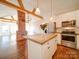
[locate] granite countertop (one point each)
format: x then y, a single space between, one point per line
41 38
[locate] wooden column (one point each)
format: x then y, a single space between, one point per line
21 25
21 41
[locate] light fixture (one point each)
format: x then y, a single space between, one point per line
37 9
51 18
34 9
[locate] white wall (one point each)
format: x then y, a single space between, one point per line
34 25
74 15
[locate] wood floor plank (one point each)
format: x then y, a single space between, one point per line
66 53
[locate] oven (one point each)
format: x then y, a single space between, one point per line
68 36
68 39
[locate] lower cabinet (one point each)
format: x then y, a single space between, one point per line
49 48
77 42
44 51
58 39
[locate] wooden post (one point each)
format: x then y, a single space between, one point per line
21 41
21 25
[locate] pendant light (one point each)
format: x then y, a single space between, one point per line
37 9
34 9
51 18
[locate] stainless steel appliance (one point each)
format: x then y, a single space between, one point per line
68 39
71 23
68 36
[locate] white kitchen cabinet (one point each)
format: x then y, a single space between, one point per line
58 38
77 30
49 49
42 51
77 40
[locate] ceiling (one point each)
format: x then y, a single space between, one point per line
58 7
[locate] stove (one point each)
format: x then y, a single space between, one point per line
68 35
68 38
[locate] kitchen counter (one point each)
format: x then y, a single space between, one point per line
41 38
41 46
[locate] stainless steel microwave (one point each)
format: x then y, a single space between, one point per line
71 23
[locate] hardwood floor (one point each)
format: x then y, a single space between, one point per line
66 53
12 49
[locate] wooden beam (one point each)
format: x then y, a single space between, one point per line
20 3
11 5
7 19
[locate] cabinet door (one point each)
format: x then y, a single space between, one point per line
45 51
58 39
53 46
49 49
34 50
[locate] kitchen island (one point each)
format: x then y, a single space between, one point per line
41 46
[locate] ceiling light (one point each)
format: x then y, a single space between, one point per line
37 11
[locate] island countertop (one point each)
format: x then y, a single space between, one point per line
41 38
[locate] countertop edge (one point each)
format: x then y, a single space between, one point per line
54 35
